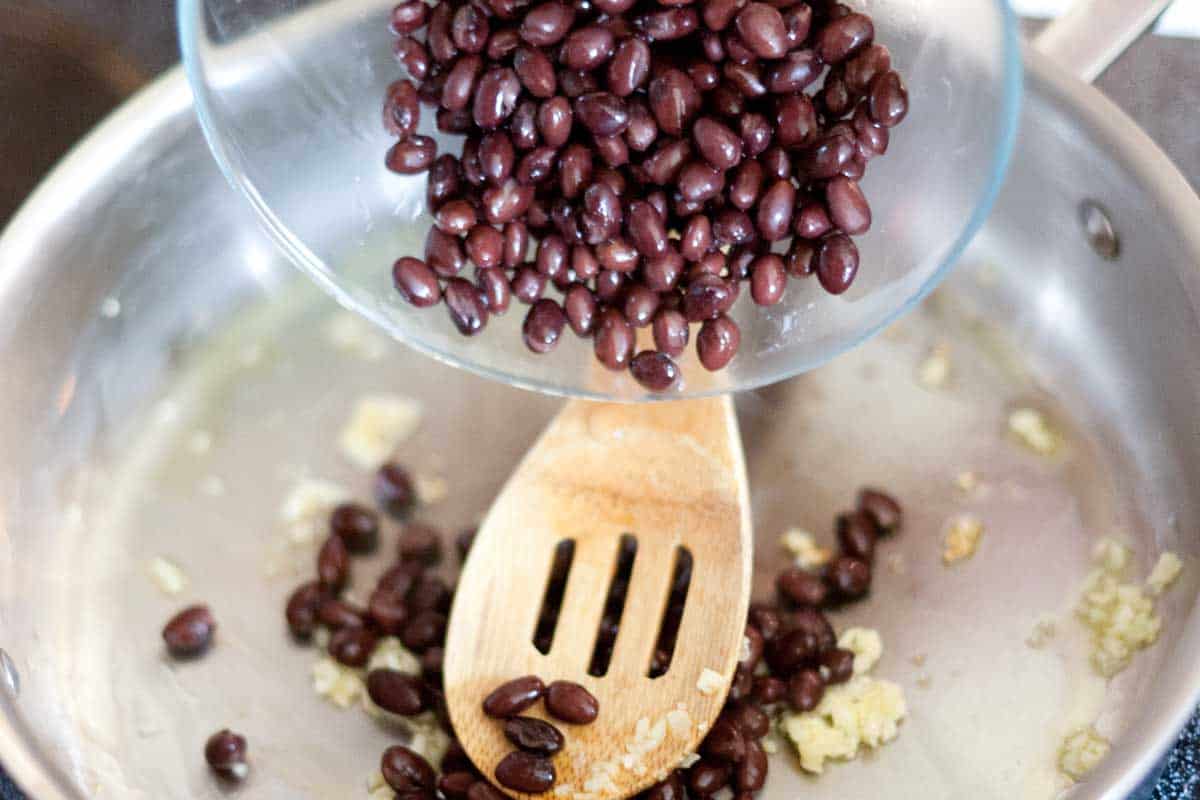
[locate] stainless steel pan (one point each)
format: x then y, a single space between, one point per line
142 305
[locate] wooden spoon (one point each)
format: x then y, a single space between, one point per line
673 476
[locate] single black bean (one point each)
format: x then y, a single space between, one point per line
654 370
756 133
670 330
333 563
816 624
733 226
766 620
888 99
401 109
799 260
225 753
421 543
455 785
717 143
724 741
547 24
812 220
835 96
356 525
396 692
412 155
838 664
352 646
513 697
837 263
337 614
795 120
727 101
190 632
534 735
584 263
674 100
718 14
465 307
704 74
761 27
667 24
507 202
469 29
525 772
794 73
849 577
424 630
844 37
805 690
574 83
751 771
404 769
496 156
776 163
302 606
528 285
496 97
443 254
485 246
461 81
717 343
497 292
707 777
882 507
579 305
409 16
413 56
394 489
664 164
746 184
774 214
516 241
543 325
455 217
739 52
445 180
769 690
535 71
801 588
602 113
503 43
870 138
768 279
753 721
798 21
588 47
571 703
713 47
860 70
640 305
387 609
416 282
441 45
792 651
705 297
857 533
554 119
699 182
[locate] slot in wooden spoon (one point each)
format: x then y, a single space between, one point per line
673 476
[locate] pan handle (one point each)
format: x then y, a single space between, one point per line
1093 33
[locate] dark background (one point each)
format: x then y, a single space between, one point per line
65 63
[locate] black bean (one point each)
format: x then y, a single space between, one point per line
409 16
761 27
513 697
587 47
844 37
805 690
724 741
796 123
333 563
571 703
505 203
717 143
394 489
337 614
424 630
352 646
387 610
455 785
793 73
469 29
496 97
503 43
857 533
801 588
404 769
455 217
717 343
882 507
412 54
401 109
535 71
543 325
839 664
416 282
465 307
888 99
769 689
751 719
849 577
707 777
441 45
670 330
751 771
816 624
837 263
225 753
189 633
798 21
766 620
674 101
412 155
396 692
670 788
525 772
860 70
302 605
654 370
534 735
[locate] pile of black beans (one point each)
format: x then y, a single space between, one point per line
529 769
796 642
791 659
659 152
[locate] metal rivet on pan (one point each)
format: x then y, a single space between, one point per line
1098 227
10 681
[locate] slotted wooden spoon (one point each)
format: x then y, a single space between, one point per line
670 474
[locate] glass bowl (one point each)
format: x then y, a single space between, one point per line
289 95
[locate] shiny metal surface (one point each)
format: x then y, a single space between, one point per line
95 478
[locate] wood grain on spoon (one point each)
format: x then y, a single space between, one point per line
672 475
